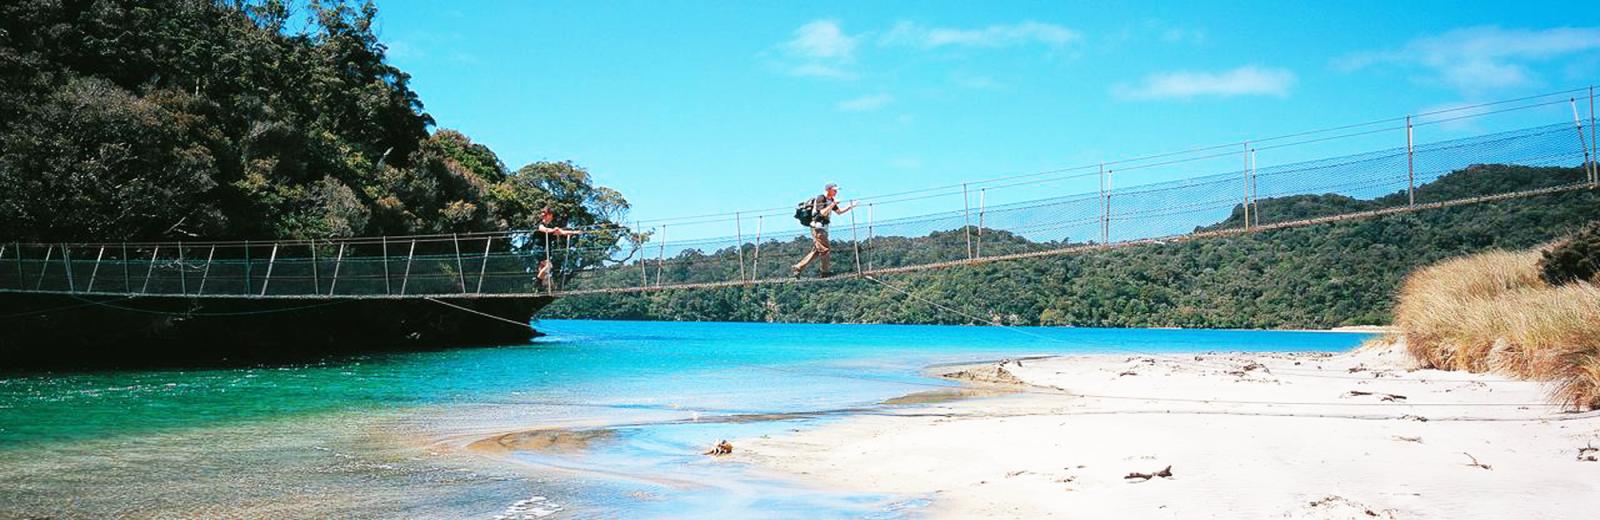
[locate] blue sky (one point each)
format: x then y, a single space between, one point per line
702 107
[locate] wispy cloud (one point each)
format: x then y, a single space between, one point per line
822 39
865 103
1476 59
1179 35
820 49
1248 80
912 34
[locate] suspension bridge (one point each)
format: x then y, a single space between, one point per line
883 236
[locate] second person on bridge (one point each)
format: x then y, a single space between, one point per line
814 214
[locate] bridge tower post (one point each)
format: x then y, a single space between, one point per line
1255 204
248 267
738 230
1594 147
1105 208
644 265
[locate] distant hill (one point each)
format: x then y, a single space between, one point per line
1316 276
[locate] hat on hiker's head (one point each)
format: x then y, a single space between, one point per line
830 186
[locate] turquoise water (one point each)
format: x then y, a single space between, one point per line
380 435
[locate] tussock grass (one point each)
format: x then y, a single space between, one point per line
1493 312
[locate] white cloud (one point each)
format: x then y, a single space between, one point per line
817 70
865 103
1248 80
822 40
819 49
1475 59
915 35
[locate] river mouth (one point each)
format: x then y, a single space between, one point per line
600 419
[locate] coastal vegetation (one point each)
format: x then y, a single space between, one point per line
215 120
1309 277
1500 311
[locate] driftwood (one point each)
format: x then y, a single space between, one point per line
1382 396
722 448
1403 438
1164 473
1589 453
1475 462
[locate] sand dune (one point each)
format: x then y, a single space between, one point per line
1357 435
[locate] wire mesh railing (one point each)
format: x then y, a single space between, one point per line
880 236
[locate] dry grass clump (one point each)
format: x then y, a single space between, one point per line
1493 312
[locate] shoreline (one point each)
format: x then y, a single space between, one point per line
1360 434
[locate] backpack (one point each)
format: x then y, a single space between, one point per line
805 212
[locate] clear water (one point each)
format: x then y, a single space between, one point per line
380 435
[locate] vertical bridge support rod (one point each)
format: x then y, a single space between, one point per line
92 274
44 266
66 262
1411 165
151 269
386 283
855 243
207 272
406 278
461 269
981 193
483 268
1247 185
738 230
270 261
183 272
338 261
755 263
127 281
1581 141
661 257
869 235
1105 208
966 218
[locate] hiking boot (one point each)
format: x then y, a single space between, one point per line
824 274
794 272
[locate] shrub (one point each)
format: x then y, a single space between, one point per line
1573 259
1495 312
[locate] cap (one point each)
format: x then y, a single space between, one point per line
831 186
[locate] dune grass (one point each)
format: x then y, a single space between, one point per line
1493 312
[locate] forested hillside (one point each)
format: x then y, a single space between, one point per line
202 119
1318 276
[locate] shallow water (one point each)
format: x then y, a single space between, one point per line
385 435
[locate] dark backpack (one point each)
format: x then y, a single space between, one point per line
805 212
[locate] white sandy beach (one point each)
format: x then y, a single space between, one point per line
1245 435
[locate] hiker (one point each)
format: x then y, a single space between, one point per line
815 214
548 226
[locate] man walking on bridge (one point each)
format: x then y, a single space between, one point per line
822 207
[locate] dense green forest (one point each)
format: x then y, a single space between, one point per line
214 119
1316 276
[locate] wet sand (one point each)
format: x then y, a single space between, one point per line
1356 435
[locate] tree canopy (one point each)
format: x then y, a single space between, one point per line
183 119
